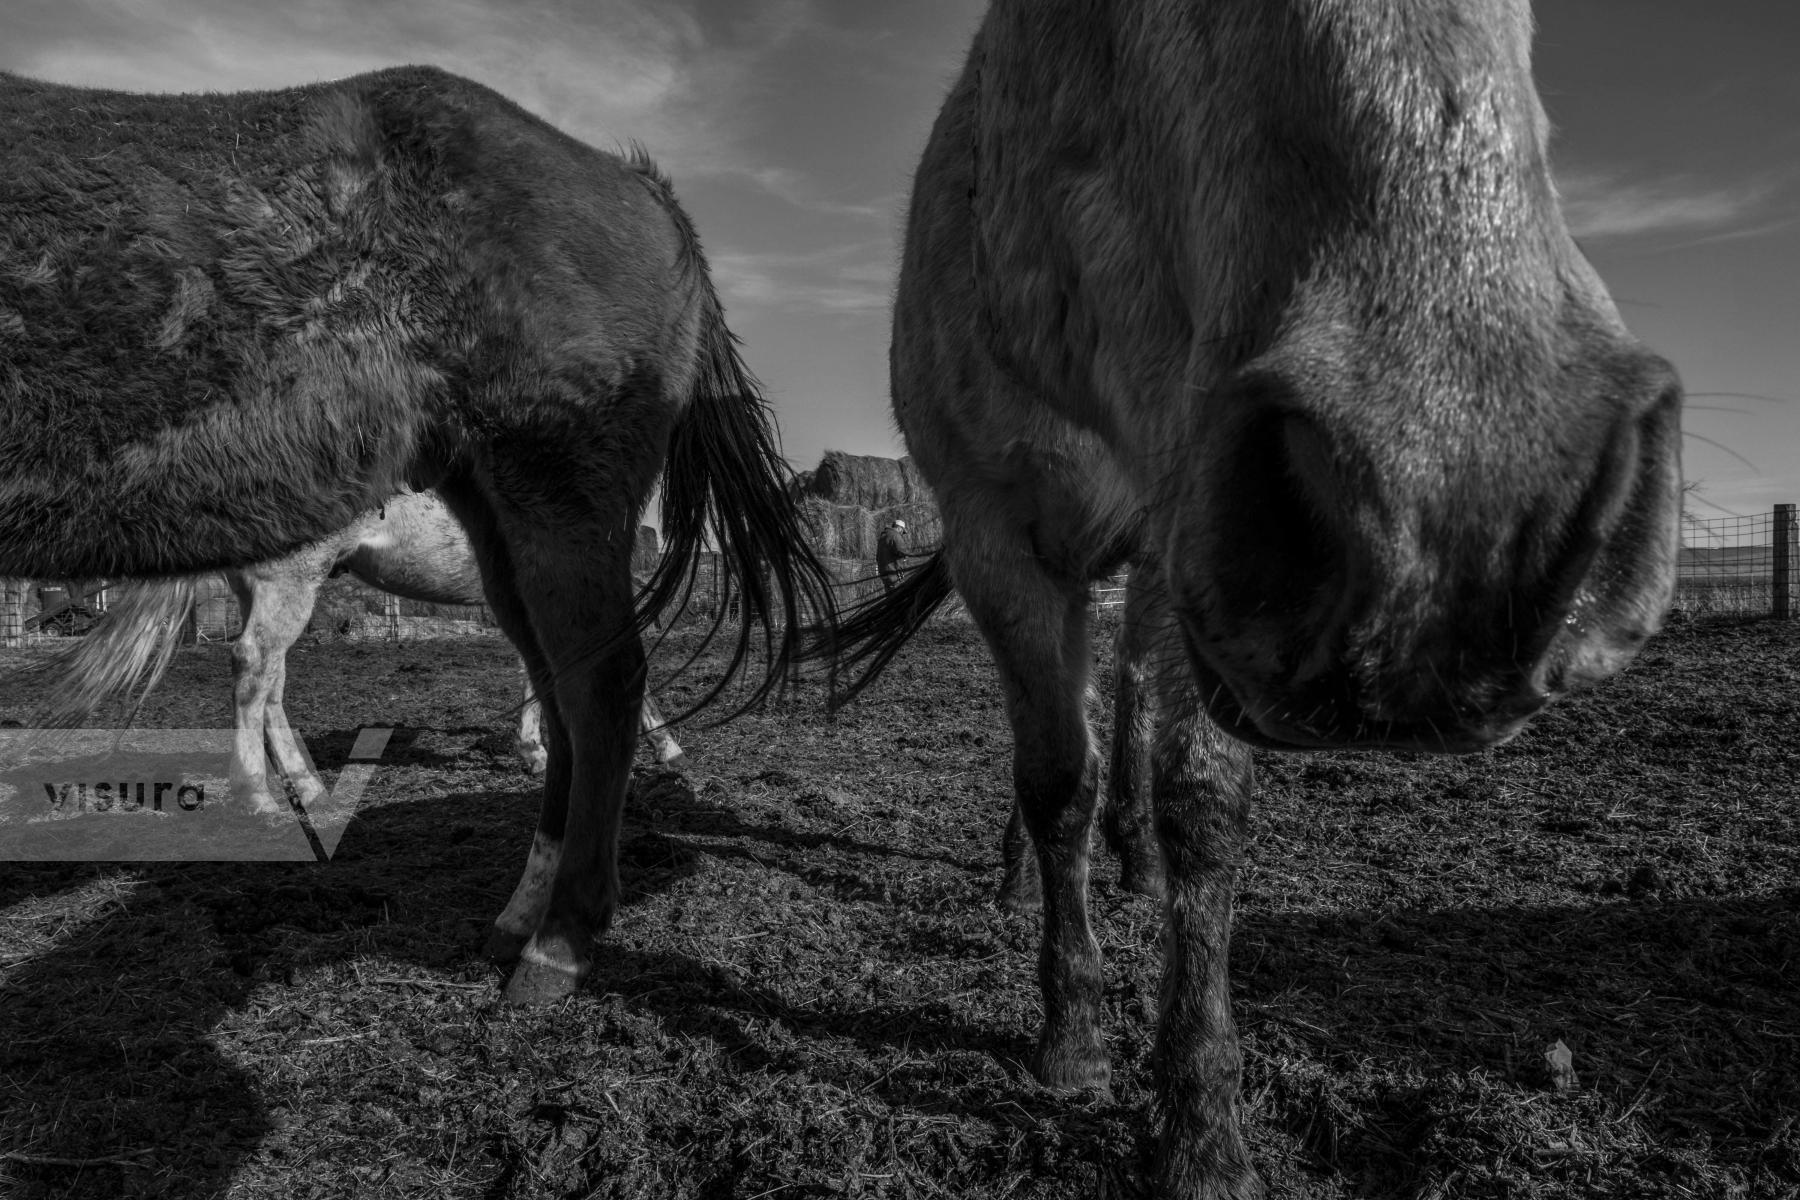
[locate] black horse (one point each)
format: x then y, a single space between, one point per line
231 324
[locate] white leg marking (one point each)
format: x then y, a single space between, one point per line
530 745
651 721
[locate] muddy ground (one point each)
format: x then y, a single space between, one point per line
809 991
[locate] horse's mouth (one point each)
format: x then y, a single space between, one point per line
1313 723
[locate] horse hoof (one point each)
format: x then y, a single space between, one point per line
533 983
503 947
535 758
258 802
1144 881
1234 1182
1073 1071
1021 896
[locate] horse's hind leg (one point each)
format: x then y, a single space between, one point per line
668 750
530 898
1037 627
251 679
564 595
1127 820
530 743
283 743
276 601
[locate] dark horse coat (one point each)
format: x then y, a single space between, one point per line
1273 299
230 324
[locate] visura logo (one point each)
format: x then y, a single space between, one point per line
164 795
125 796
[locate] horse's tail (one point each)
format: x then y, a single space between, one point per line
128 648
871 633
725 478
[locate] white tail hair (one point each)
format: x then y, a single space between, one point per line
128 648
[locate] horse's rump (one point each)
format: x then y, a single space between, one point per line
231 323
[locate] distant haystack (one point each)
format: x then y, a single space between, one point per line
849 498
645 552
865 481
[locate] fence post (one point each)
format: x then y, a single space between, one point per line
1783 559
12 613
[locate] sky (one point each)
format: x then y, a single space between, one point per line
791 128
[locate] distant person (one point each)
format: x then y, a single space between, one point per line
890 552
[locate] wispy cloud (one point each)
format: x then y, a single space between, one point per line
853 279
605 70
1735 235
1602 204
796 189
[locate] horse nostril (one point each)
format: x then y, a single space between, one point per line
1616 572
1279 483
1598 514
1661 387
1312 468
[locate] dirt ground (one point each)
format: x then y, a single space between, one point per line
809 991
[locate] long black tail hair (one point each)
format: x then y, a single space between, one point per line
725 476
868 636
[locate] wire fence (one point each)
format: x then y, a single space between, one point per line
1728 566
1110 593
345 608
33 613
1738 566
1734 566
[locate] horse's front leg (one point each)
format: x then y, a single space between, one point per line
1127 820
1202 788
1036 626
